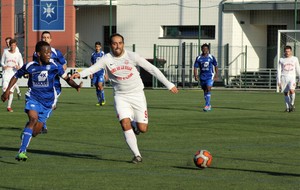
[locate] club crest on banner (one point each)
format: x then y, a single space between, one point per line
49 15
48 10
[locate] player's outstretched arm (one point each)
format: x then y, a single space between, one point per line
216 74
174 90
12 82
73 84
75 76
196 74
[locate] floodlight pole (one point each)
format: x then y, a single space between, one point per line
110 18
26 32
199 29
295 15
295 23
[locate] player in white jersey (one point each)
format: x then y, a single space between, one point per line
130 101
11 61
288 67
7 40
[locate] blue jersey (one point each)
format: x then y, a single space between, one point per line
57 57
95 56
41 81
206 66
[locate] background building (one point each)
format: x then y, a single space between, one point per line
242 34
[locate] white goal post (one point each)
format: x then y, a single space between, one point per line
291 38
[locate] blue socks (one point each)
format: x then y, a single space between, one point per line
207 98
100 95
26 137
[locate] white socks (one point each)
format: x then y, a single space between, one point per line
292 98
17 89
10 99
132 142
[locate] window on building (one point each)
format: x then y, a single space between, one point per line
105 46
19 24
188 32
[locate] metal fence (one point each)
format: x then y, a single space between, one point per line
176 62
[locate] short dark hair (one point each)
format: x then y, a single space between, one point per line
97 43
205 45
114 35
46 32
287 47
40 45
8 38
12 41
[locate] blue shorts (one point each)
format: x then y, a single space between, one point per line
97 79
43 112
205 83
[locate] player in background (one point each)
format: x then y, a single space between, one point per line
7 40
129 98
98 77
287 69
208 73
41 94
11 61
58 58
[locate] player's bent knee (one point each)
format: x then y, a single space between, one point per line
37 129
143 127
32 121
125 124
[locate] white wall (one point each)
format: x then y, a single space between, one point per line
239 36
90 21
140 21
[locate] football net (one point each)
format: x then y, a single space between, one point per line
288 38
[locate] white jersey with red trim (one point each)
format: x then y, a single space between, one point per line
123 73
10 63
288 67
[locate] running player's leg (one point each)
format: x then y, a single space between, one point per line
125 115
43 116
292 94
18 91
292 100
204 88
31 108
101 89
98 94
209 84
9 102
139 105
11 93
285 89
206 92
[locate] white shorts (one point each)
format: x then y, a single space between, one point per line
288 83
5 82
132 106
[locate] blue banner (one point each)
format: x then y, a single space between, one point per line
49 15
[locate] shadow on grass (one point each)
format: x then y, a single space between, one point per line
10 188
195 109
199 108
11 128
62 154
243 170
5 162
245 109
83 103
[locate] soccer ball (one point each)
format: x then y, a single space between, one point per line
203 159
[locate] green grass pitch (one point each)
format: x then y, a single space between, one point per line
255 145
